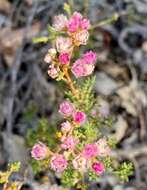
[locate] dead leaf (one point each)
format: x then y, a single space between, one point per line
144 46
131 97
29 2
5 6
11 40
115 70
120 126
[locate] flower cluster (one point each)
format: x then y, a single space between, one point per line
82 148
76 30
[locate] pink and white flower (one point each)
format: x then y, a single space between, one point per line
79 117
79 163
64 58
59 22
58 163
53 72
66 109
63 44
98 168
69 142
104 149
50 55
90 57
90 151
47 58
66 126
80 68
52 52
81 37
39 151
89 68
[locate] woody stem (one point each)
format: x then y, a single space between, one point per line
69 81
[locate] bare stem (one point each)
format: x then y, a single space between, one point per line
69 81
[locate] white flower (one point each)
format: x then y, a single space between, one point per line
63 44
59 22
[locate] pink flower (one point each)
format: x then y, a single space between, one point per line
58 163
68 142
90 151
53 72
39 151
63 44
64 58
79 117
77 22
98 168
104 149
66 126
90 57
59 22
85 24
74 22
79 163
80 68
66 109
81 37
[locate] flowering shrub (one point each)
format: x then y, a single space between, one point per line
83 149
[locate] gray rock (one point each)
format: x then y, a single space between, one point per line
104 84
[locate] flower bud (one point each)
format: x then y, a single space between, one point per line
53 72
79 117
98 168
47 58
66 126
64 58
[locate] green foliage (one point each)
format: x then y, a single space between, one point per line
124 171
112 142
91 133
86 99
67 9
106 121
30 111
88 133
42 39
39 166
70 177
44 132
108 162
92 176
